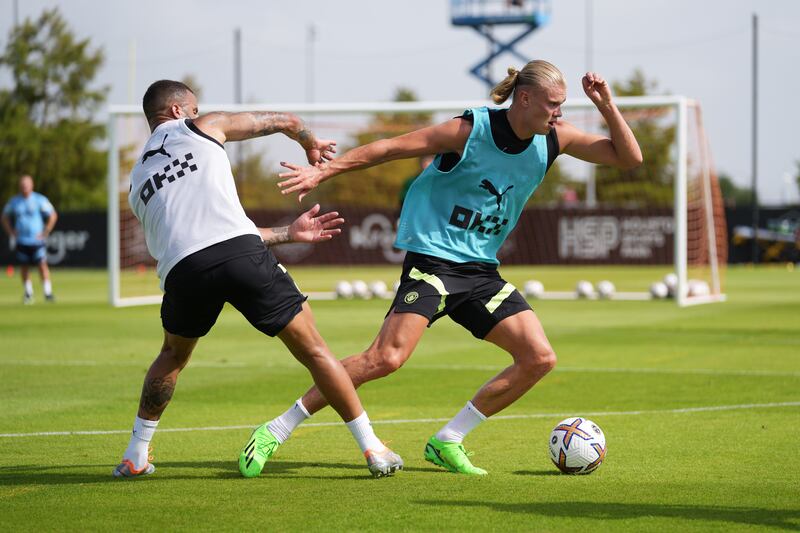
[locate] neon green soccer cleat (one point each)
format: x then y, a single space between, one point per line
452 456
259 448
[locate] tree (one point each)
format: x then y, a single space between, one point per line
47 115
555 186
651 184
732 194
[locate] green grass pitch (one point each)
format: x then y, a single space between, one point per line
700 406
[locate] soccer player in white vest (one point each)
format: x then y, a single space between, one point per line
457 214
209 253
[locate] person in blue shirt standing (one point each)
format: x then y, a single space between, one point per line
456 215
28 218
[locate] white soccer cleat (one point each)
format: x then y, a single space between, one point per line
384 463
126 470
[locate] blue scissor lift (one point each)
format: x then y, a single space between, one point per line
483 15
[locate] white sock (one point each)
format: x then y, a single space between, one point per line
361 428
48 287
29 287
283 425
140 439
465 421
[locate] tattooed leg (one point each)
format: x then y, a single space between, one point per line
160 381
156 394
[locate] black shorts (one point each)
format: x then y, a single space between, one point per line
473 294
30 254
241 271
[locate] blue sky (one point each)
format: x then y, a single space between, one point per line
365 49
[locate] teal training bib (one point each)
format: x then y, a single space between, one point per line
466 214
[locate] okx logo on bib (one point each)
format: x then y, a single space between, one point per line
469 220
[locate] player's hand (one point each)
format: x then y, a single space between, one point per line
310 227
596 88
299 179
322 151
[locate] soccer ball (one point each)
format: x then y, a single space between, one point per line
606 289
577 446
533 289
379 289
584 289
671 281
659 290
361 289
698 288
344 290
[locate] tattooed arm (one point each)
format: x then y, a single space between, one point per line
272 236
246 125
308 227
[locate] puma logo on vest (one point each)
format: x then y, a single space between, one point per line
486 184
160 150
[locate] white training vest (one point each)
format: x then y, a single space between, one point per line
183 193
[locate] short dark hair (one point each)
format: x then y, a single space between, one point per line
161 94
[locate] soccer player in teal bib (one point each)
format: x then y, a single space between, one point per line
456 216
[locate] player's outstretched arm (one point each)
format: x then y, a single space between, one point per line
450 136
249 124
308 227
620 149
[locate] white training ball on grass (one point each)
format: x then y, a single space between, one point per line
671 281
361 289
659 290
698 287
533 288
344 289
584 289
379 289
606 289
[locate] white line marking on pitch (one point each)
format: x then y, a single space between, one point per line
708 408
698 371
456 367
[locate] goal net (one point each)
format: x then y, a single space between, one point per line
661 221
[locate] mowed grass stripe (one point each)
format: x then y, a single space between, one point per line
702 409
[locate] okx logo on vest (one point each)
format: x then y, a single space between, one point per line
468 219
156 182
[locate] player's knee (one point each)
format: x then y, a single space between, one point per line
387 360
317 354
178 357
546 360
539 362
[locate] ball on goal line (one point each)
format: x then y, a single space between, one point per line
698 287
659 290
584 289
606 289
671 281
344 289
533 289
577 446
379 289
361 289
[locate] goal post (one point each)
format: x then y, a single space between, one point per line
685 233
